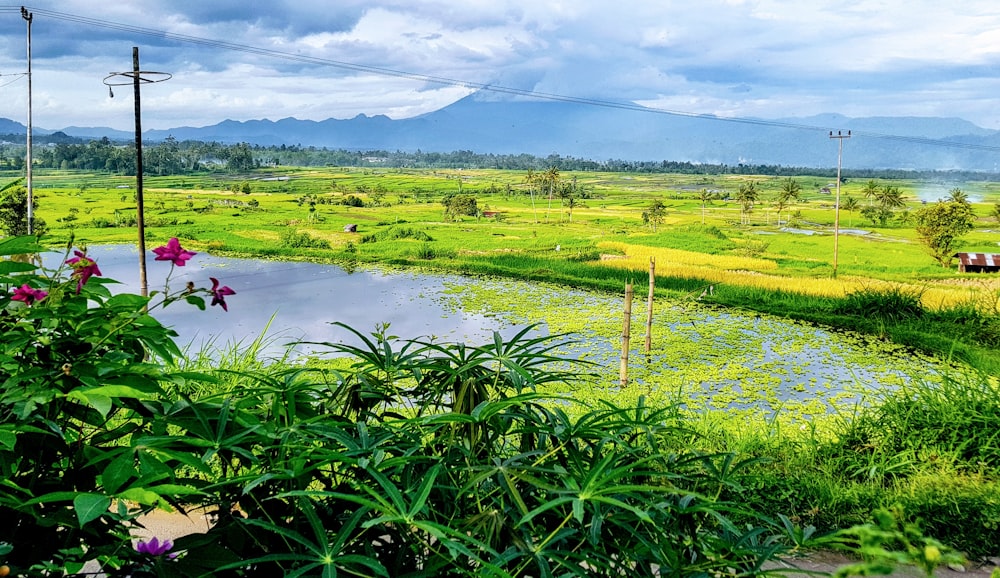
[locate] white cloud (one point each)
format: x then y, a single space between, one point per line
767 58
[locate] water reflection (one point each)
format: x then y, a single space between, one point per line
724 359
303 298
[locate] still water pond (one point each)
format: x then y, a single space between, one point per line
303 299
700 356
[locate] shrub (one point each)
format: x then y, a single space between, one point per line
420 458
302 240
393 233
752 248
82 383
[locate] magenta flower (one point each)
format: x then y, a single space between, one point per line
219 293
29 295
173 252
83 268
155 548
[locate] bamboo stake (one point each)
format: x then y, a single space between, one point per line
626 334
649 305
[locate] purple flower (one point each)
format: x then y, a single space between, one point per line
219 293
173 252
155 548
28 295
83 268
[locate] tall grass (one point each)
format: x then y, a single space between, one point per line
228 361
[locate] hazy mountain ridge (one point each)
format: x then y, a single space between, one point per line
509 126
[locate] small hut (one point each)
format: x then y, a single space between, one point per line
352 228
978 262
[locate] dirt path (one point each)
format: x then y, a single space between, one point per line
829 562
170 526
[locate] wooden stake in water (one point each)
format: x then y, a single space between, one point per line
649 305
626 334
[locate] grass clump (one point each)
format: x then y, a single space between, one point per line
884 304
393 233
293 239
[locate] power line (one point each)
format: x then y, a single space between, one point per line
267 52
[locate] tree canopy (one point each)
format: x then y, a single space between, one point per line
940 226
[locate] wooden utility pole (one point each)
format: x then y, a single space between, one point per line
28 16
626 336
649 305
138 78
836 207
140 221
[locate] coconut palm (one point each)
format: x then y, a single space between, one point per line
890 197
789 193
747 195
957 195
530 179
704 196
550 179
870 191
850 204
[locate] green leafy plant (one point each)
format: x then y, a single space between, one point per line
81 372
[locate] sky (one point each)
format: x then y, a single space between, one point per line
312 59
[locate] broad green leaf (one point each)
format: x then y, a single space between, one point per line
127 301
141 496
8 439
89 507
196 301
8 267
101 403
119 471
20 246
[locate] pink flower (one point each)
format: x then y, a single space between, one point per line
219 293
83 268
173 252
28 295
155 548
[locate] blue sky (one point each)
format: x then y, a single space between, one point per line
743 58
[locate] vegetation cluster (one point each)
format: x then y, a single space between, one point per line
173 157
397 457
415 458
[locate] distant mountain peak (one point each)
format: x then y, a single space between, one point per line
488 122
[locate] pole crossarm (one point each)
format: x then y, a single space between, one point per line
131 75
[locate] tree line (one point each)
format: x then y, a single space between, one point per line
174 157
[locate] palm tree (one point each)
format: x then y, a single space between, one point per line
569 201
850 204
870 191
747 195
790 192
890 197
530 179
704 196
957 195
780 204
551 180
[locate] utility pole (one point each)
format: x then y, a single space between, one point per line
138 79
28 17
836 209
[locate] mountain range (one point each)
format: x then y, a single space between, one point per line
488 123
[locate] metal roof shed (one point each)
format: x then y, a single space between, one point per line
978 262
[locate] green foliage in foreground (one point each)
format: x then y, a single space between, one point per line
417 459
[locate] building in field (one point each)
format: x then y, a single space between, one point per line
978 262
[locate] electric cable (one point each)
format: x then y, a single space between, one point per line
441 80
